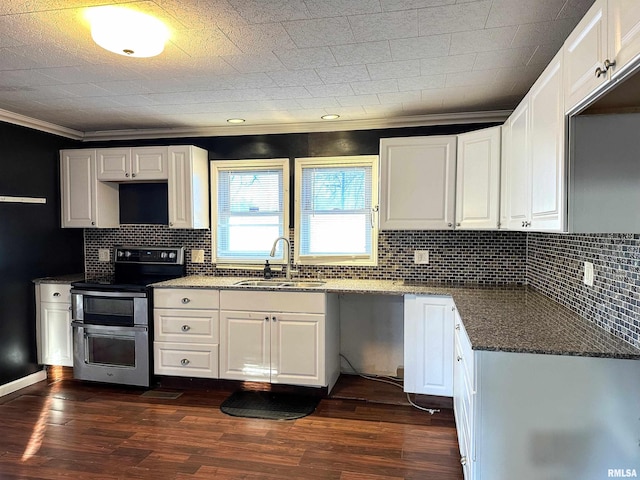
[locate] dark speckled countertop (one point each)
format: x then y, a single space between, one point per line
507 319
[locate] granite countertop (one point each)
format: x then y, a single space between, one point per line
72 277
507 319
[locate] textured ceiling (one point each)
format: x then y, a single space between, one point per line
279 62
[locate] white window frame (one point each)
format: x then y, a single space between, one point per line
247 164
328 162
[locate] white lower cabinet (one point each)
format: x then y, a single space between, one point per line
533 416
53 324
279 337
428 344
187 332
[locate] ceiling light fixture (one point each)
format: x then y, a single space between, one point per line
331 116
236 120
127 32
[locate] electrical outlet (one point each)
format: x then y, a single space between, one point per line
588 274
197 256
421 257
103 255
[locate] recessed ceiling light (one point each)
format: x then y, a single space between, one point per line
127 32
236 120
332 116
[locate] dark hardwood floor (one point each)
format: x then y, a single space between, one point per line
65 429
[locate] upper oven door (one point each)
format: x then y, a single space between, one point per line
124 309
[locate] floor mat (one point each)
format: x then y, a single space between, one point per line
273 406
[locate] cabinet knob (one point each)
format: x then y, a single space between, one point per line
184 362
457 326
459 358
609 64
133 175
186 328
457 224
93 223
171 224
126 175
463 460
600 72
266 319
186 300
56 294
450 225
273 318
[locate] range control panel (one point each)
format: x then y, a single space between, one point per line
160 255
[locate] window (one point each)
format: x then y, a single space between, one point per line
250 209
336 198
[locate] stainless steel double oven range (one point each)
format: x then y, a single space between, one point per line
112 325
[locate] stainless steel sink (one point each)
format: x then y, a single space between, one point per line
280 282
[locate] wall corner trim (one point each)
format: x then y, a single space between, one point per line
24 121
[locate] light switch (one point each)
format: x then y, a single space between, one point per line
103 255
588 274
421 257
197 256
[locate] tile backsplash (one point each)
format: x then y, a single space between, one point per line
555 266
486 258
551 263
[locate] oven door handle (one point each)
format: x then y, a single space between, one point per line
116 294
110 328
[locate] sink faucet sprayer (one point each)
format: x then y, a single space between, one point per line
288 253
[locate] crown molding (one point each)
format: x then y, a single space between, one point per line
35 124
264 129
309 127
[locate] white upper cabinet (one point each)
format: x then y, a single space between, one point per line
132 164
188 187
86 202
417 180
585 52
533 161
547 137
603 47
478 179
517 165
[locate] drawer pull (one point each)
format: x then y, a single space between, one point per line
266 319
463 460
56 294
186 328
459 358
184 362
273 318
458 326
186 300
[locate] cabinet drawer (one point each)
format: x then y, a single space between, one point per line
263 301
55 292
186 325
202 298
186 359
464 346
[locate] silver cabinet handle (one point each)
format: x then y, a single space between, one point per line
93 223
126 175
185 300
266 319
450 225
186 328
459 357
600 72
171 224
458 224
56 294
273 318
463 460
184 362
458 326
609 64
133 175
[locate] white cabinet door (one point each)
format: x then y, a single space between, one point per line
624 34
417 182
297 349
478 179
585 50
188 186
245 345
518 168
77 175
149 163
56 335
547 144
428 344
114 164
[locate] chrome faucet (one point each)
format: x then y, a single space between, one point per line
288 253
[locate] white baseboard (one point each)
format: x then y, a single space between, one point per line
23 382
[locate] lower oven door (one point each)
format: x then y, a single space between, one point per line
111 354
